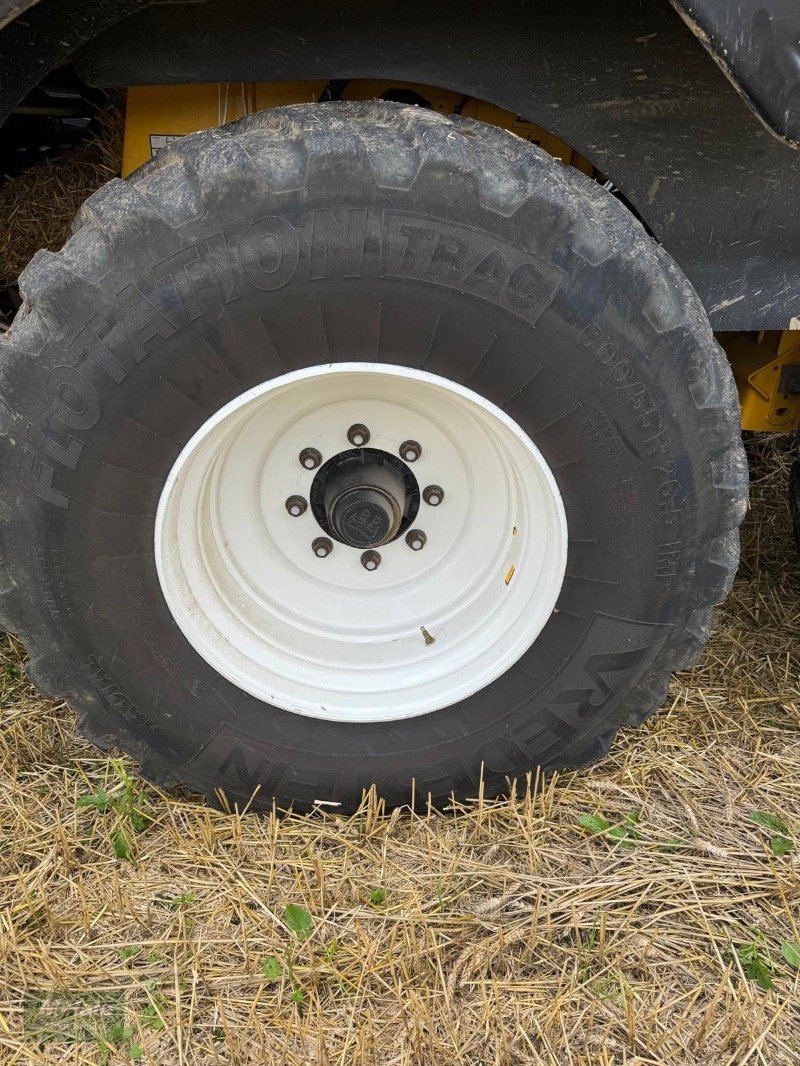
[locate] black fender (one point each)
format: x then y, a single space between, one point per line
757 44
627 84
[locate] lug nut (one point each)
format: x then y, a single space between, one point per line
310 458
296 505
416 539
410 450
370 560
358 435
321 547
433 495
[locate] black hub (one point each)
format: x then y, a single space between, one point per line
364 515
364 497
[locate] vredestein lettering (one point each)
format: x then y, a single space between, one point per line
186 284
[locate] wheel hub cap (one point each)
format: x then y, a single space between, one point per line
364 495
365 516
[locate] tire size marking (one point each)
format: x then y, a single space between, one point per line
113 695
52 586
618 372
623 491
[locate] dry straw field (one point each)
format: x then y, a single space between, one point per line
644 912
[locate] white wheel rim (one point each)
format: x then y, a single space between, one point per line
326 637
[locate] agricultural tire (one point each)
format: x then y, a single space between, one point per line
386 236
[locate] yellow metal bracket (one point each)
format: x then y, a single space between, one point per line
759 363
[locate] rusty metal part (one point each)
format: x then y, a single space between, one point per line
310 458
358 435
433 495
416 539
321 547
296 506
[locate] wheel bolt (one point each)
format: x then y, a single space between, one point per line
370 560
296 505
358 435
416 539
433 495
410 450
310 458
321 547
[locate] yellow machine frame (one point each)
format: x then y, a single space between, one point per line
157 114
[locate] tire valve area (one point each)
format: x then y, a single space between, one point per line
426 636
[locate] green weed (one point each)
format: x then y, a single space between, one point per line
622 833
781 843
756 962
124 802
